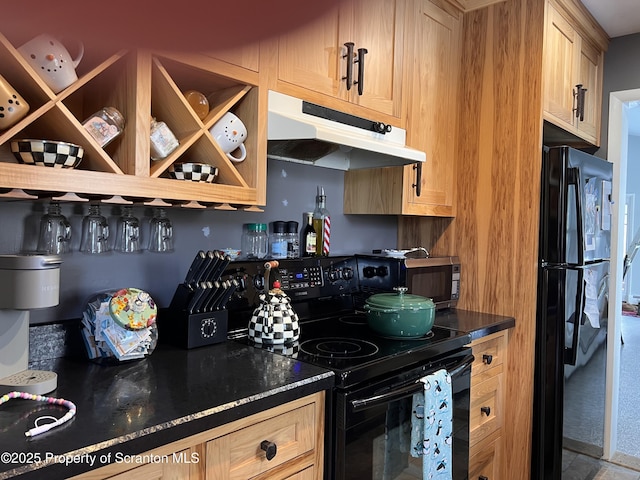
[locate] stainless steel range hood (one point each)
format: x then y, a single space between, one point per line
299 131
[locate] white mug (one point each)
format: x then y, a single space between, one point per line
52 61
230 133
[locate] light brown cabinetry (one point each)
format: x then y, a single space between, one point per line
142 85
311 61
234 451
486 418
573 58
431 86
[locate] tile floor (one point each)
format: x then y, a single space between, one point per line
581 467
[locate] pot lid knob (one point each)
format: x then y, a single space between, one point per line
400 290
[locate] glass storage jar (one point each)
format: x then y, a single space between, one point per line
163 141
278 240
105 125
255 241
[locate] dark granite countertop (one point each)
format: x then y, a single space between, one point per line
477 324
132 408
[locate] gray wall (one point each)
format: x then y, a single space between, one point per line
291 190
621 72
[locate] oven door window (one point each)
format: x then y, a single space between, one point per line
375 443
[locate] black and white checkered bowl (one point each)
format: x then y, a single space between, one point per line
47 153
196 172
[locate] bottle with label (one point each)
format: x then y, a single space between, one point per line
308 236
278 240
293 244
322 224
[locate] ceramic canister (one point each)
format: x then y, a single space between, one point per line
12 106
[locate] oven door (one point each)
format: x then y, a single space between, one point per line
373 424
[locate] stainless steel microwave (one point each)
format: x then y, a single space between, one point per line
437 278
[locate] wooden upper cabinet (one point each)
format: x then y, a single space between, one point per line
433 52
312 64
432 110
573 58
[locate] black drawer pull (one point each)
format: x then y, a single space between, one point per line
270 448
486 410
487 359
482 477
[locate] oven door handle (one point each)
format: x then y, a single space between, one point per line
407 390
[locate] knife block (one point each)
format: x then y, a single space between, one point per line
182 329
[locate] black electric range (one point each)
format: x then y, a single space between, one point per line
328 297
375 377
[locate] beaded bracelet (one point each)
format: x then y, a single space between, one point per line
38 429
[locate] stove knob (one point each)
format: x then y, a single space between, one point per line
369 272
347 273
258 282
382 271
334 275
242 283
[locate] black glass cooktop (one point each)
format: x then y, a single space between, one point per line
355 353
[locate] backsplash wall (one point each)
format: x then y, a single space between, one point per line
291 190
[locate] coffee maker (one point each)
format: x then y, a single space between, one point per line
26 282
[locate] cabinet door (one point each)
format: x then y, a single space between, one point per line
559 67
378 26
432 112
591 79
311 57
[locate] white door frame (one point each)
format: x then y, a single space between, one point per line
617 154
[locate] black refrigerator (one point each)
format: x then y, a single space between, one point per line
571 316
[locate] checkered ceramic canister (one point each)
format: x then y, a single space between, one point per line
274 322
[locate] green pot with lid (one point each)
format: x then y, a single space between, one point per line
399 314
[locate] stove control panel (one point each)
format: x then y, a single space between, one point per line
307 278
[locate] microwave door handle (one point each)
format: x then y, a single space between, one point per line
407 390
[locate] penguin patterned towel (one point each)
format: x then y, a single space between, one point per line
432 426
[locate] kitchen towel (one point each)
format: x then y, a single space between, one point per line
432 426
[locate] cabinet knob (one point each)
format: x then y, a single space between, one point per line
482 477
486 410
270 449
487 359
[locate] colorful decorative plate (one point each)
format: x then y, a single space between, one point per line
133 308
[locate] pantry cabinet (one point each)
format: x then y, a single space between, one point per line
434 30
312 62
142 85
486 417
283 443
572 70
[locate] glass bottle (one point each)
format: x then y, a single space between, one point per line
308 236
105 125
163 141
293 244
278 240
322 223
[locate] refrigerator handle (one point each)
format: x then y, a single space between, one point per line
571 353
574 179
